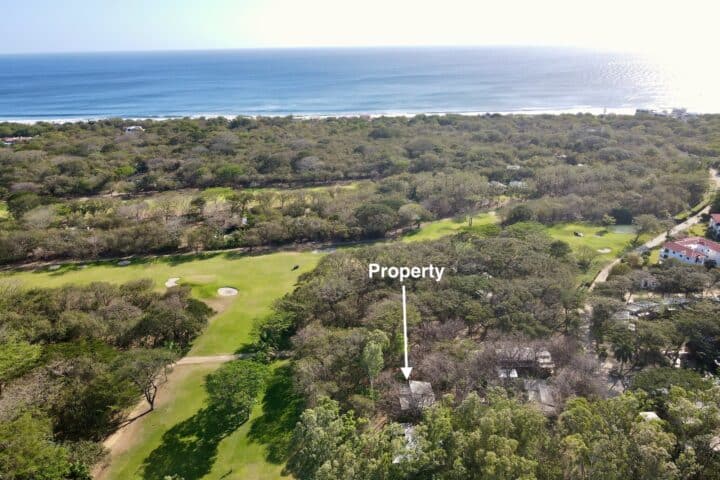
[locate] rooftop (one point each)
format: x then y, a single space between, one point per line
693 246
416 394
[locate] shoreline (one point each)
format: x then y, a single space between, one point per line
595 111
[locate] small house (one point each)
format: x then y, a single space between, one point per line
524 360
544 360
416 395
539 392
14 140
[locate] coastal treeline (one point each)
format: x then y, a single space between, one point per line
75 360
105 189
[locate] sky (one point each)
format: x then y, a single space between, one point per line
659 27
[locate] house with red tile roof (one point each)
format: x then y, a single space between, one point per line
692 250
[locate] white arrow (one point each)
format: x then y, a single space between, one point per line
406 370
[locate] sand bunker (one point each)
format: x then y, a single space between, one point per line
124 263
227 292
172 282
604 250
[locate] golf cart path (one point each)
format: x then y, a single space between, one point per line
124 437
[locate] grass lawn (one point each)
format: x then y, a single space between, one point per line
654 256
448 226
698 230
598 238
181 437
259 280
616 239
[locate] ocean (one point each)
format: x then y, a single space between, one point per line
334 82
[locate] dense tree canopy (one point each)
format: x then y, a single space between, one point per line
73 360
82 189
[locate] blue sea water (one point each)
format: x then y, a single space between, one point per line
329 82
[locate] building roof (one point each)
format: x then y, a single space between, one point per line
687 251
507 373
691 246
541 393
648 416
699 241
416 394
715 443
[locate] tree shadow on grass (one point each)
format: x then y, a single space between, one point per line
189 448
281 411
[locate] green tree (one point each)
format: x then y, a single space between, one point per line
16 357
372 361
560 249
234 387
645 224
22 202
375 219
413 214
519 213
318 436
147 370
585 257
27 450
715 205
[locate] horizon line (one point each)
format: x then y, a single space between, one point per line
324 47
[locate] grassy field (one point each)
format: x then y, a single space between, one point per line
698 230
182 438
448 226
607 242
259 280
179 437
594 237
597 238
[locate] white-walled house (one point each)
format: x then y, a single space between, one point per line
714 225
692 250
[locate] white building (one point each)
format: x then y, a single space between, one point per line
692 250
714 225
